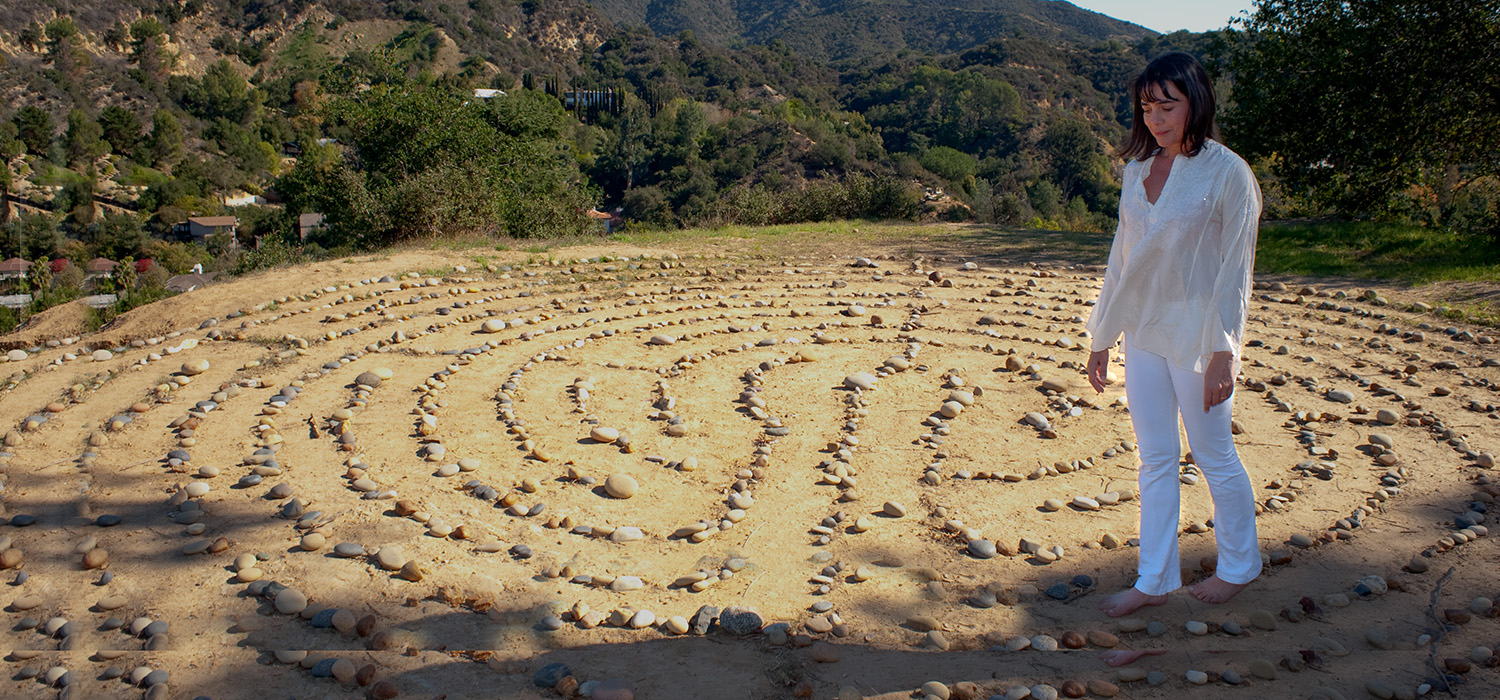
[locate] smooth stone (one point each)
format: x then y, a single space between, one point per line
1263 619
549 675
390 558
1261 668
621 485
291 601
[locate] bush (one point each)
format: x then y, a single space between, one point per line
273 252
649 206
9 319
950 164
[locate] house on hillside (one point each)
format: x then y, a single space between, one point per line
308 222
14 269
190 281
487 93
99 267
199 229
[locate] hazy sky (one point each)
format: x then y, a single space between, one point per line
1170 15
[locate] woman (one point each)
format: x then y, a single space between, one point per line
1177 288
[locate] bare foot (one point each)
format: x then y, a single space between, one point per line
1128 601
1215 590
1121 658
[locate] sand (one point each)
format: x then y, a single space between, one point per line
784 330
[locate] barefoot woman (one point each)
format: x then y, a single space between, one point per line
1177 287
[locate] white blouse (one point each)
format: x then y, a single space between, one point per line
1179 272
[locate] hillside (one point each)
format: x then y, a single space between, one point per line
854 29
119 121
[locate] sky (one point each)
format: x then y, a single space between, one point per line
1170 15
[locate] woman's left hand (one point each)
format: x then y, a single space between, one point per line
1218 380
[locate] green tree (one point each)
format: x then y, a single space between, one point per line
83 139
116 235
1077 159
34 128
124 276
121 128
5 185
10 145
40 275
166 142
1359 102
147 49
222 93
62 34
949 163
77 199
424 163
32 235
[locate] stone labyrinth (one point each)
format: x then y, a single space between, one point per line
667 477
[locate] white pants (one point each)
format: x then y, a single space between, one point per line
1156 389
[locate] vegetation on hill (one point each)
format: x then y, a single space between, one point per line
120 121
843 30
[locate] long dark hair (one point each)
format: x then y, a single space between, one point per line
1185 73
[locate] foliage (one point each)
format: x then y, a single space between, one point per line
121 128
29 235
950 164
84 139
424 162
34 129
831 29
118 235
1371 106
165 146
1374 250
1077 160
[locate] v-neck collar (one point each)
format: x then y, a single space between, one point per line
1170 170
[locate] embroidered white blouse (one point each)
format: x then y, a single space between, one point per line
1179 273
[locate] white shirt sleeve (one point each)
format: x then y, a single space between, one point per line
1238 212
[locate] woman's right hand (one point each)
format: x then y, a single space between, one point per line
1098 367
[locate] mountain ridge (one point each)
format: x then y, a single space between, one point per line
841 30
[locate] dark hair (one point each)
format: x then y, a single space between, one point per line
1186 74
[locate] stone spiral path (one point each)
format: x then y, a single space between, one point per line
670 476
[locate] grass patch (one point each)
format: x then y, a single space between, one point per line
1375 251
48 174
134 174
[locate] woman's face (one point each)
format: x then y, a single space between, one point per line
1165 111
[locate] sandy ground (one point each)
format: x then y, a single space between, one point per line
904 602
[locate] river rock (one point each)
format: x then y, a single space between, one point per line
390 558
621 485
740 620
863 381
290 601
